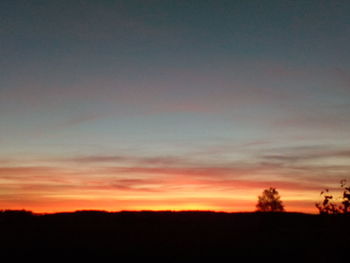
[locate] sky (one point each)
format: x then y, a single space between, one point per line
172 105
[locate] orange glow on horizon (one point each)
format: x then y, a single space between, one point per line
216 205
47 190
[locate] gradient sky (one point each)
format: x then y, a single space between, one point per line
172 105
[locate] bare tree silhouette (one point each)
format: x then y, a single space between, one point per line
270 201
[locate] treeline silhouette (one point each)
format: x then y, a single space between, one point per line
174 236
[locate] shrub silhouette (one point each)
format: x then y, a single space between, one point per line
333 205
346 196
270 201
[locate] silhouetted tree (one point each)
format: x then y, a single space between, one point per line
328 205
270 201
333 205
346 196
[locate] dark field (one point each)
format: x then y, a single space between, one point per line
176 236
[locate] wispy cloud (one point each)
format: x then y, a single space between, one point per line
298 154
152 161
292 170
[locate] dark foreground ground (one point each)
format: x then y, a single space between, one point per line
175 236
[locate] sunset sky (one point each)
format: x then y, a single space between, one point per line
172 104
